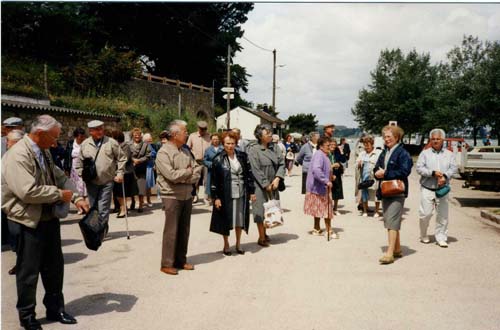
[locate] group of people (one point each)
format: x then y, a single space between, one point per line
240 176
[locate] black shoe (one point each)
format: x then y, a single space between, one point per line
240 251
62 317
227 252
31 323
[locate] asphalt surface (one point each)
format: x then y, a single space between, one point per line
300 282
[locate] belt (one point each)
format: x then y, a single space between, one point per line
430 188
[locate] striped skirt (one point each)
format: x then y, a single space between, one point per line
318 206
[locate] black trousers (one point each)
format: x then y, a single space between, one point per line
39 252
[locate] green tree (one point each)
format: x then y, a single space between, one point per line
302 123
402 89
467 70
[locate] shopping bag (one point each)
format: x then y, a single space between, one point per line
93 229
273 214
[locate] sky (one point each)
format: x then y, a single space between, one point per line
329 49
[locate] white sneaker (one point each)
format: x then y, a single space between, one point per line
442 244
376 215
365 215
425 240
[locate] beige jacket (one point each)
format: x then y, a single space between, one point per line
198 144
177 172
28 193
110 161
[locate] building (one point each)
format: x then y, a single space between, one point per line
246 119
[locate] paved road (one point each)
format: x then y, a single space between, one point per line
300 282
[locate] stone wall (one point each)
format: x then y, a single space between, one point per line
195 102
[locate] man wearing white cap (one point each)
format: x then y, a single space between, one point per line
8 125
109 160
199 142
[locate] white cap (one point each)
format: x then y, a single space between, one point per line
95 124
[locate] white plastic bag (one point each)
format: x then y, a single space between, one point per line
273 215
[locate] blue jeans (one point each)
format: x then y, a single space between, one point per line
101 194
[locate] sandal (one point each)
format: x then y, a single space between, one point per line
263 243
227 252
385 260
240 251
398 254
316 232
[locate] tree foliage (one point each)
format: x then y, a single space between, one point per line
185 41
302 123
459 94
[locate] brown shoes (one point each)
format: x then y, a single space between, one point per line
188 267
263 243
169 270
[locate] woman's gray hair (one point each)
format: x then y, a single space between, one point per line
15 135
44 123
313 133
259 130
437 131
147 137
175 127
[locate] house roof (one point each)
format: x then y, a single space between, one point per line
264 115
50 108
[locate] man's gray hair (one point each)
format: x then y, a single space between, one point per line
175 127
437 131
313 133
44 123
15 135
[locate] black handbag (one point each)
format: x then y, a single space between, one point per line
281 185
89 171
93 229
365 184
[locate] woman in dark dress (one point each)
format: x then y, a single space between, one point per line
337 158
232 187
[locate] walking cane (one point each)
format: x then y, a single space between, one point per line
329 207
126 211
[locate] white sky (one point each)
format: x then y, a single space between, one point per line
329 49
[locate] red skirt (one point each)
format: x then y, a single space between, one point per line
318 206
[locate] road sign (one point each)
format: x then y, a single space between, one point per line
227 89
231 96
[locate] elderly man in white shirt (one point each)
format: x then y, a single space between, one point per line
436 166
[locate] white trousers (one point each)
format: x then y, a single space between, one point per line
429 201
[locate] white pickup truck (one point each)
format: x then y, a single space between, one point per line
481 166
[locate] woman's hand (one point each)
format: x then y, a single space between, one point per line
253 197
275 183
380 173
329 184
335 165
218 203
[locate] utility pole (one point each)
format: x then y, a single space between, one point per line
228 107
274 80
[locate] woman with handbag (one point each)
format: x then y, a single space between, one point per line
392 169
268 168
232 188
318 202
337 158
366 163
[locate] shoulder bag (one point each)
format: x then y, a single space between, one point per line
89 171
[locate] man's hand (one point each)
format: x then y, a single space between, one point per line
135 161
118 178
438 174
441 181
380 173
218 204
335 165
269 188
253 198
66 195
82 205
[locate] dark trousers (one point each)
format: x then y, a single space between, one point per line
176 232
39 252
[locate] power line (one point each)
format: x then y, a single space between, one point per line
253 43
